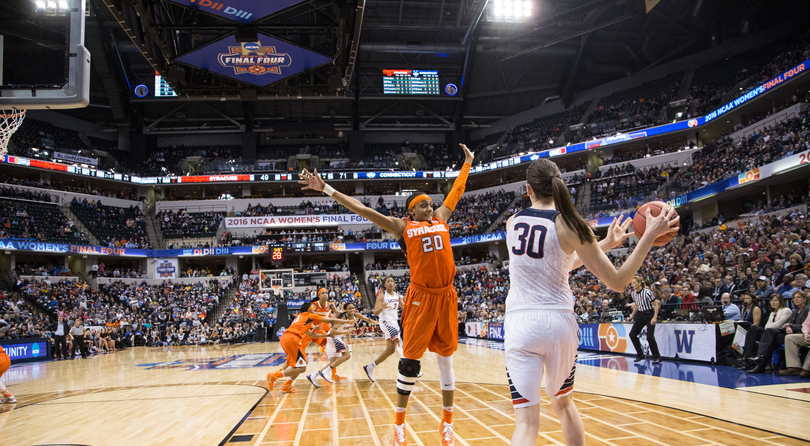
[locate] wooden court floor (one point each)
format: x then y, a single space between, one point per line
218 396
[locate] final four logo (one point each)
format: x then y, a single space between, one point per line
252 58
166 269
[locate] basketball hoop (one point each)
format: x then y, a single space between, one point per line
276 289
9 123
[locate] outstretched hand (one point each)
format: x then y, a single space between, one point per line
617 232
311 180
468 155
667 221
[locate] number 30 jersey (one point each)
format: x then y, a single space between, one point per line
538 266
427 246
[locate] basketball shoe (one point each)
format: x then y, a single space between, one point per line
288 388
399 435
271 381
446 431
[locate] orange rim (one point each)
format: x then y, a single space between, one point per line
13 114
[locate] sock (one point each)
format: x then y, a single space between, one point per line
400 415
447 416
373 364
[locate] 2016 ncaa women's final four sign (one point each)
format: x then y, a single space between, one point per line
259 63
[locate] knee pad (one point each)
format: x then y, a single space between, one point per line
447 377
408 371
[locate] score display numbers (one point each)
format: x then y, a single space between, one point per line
162 88
278 253
411 82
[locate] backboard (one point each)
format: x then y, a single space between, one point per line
283 279
43 61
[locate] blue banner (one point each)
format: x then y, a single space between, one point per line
798 69
242 11
74 249
589 336
495 331
259 63
23 350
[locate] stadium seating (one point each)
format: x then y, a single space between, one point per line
120 227
29 220
181 224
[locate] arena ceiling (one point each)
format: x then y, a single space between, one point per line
502 68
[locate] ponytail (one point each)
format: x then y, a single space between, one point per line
544 178
565 205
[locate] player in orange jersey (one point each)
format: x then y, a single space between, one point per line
293 343
430 314
325 309
5 363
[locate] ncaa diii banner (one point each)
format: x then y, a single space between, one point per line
259 63
242 11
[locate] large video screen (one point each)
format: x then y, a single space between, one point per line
411 82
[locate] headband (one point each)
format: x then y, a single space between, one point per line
416 200
321 289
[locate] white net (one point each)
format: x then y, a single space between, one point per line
9 123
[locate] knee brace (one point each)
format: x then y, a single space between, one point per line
447 377
406 379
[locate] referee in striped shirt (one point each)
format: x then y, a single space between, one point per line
645 314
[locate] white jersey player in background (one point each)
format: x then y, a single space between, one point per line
546 242
386 309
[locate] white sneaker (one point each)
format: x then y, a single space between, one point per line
325 378
313 380
419 375
8 400
446 431
369 372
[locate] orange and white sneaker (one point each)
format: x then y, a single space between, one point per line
446 431
322 349
271 381
399 435
288 388
336 377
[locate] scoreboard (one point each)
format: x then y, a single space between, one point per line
411 82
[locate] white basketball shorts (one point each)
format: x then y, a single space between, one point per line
390 331
537 343
335 347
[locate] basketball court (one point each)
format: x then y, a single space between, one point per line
218 395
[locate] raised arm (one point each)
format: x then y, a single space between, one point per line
361 317
599 264
617 233
390 224
449 205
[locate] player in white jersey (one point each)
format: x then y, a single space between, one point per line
545 242
388 302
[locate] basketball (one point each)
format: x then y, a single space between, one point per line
640 222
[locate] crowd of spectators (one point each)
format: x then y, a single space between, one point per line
182 224
474 214
37 221
726 157
626 190
113 226
124 313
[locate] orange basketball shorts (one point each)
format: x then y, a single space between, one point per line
429 321
5 363
294 349
320 342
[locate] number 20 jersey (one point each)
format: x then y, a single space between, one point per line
538 266
427 246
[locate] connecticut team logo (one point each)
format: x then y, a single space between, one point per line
692 123
612 337
253 58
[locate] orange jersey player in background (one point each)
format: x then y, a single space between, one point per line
294 342
430 314
5 362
